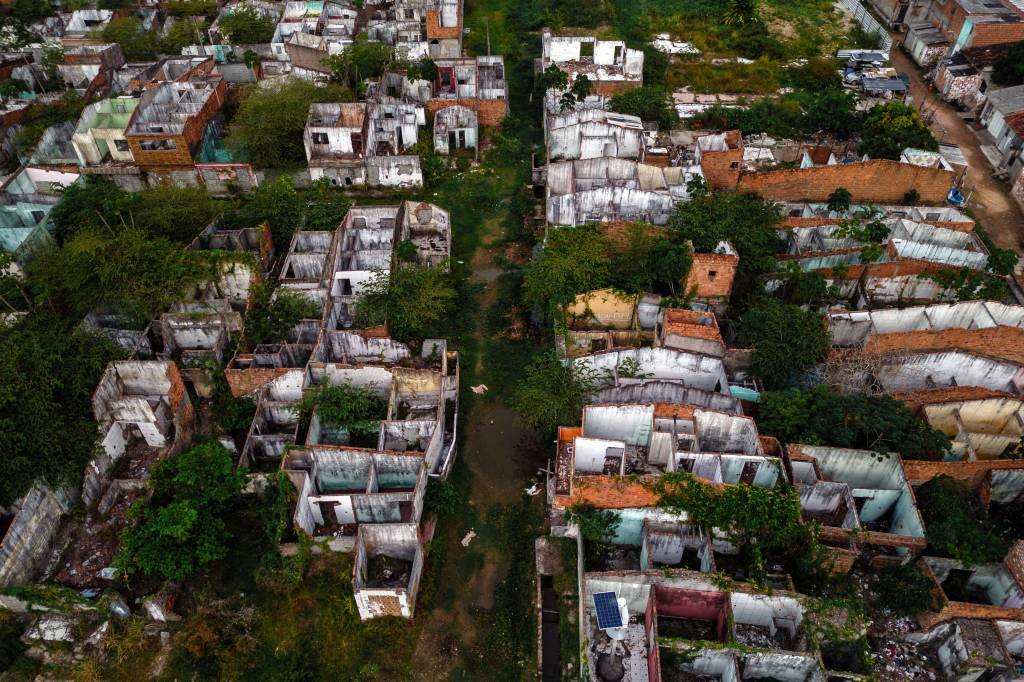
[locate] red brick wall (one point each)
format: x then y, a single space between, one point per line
790 223
192 135
993 34
998 342
974 474
879 180
489 112
722 169
436 31
245 381
708 287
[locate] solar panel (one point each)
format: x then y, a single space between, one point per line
607 605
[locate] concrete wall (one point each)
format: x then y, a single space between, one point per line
27 541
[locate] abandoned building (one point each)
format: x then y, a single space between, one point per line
26 199
610 66
170 121
455 128
87 68
669 625
862 501
938 29
100 134
801 214
593 133
364 144
609 189
966 76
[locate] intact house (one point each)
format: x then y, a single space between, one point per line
940 27
965 78
863 502
1003 118
99 137
26 199
168 125
364 143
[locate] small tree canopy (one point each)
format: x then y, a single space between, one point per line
270 317
956 523
181 529
1009 70
574 260
892 127
551 394
268 127
821 416
246 26
744 220
650 103
411 299
786 339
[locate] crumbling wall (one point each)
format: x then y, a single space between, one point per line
27 541
878 180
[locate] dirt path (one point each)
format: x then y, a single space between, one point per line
1000 215
501 456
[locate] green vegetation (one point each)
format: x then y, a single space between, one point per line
956 523
892 127
596 525
267 129
181 529
413 301
38 119
745 221
965 284
361 60
1009 69
574 260
246 26
905 591
787 341
551 394
271 317
756 520
821 416
650 103
48 369
353 409
136 41
798 114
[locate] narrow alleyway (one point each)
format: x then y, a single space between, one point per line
992 204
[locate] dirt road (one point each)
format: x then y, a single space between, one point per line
998 213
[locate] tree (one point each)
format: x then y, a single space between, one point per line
754 519
424 69
175 213
1009 69
786 339
553 78
184 32
551 394
956 523
821 416
128 32
268 127
246 26
361 60
412 300
667 264
280 206
49 368
181 529
744 220
89 201
596 525
741 12
650 103
905 591
118 268
574 260
355 410
892 127
271 317
839 200
965 284
580 90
